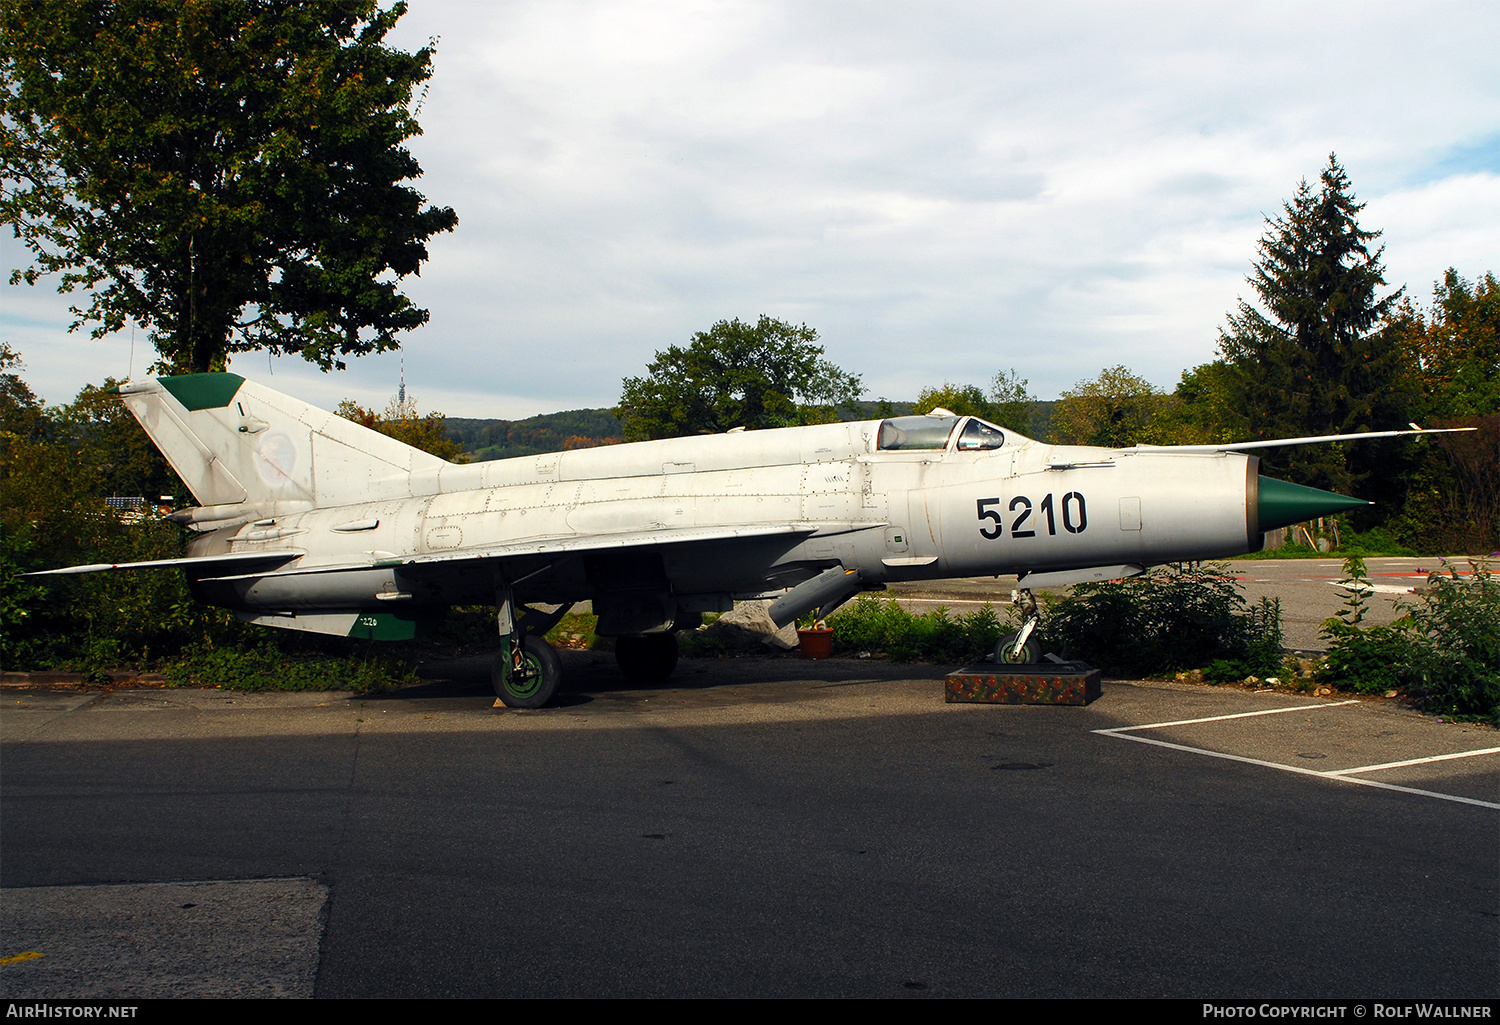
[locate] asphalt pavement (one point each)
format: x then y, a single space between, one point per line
754 827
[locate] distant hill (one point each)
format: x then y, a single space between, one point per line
870 409
483 440
551 432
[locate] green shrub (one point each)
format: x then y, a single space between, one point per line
1375 541
1372 542
1367 661
1225 670
1445 652
1169 619
1364 660
102 621
1453 660
869 624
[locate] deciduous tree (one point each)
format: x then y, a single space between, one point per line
1113 410
1453 496
1201 410
1008 403
402 421
963 399
766 374
1457 346
226 173
1011 402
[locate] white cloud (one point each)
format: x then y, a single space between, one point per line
943 190
1451 222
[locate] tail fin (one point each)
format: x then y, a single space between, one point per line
233 441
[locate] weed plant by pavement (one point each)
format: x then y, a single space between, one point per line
267 667
1444 652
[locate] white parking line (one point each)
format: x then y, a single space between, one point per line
1415 761
951 601
1237 715
1337 775
1377 588
1410 790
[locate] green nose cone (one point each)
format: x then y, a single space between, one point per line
1281 504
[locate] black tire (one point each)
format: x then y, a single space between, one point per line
536 683
646 660
1031 651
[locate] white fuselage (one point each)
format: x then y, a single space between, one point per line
894 515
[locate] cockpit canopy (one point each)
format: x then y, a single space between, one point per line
930 433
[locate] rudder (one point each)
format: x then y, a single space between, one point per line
234 442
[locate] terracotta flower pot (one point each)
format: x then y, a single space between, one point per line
815 643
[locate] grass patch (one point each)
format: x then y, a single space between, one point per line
576 630
266 667
1373 543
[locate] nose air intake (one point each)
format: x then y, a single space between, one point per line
1278 503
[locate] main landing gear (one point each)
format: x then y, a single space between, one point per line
526 675
1021 647
527 672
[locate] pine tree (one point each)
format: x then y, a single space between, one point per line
1315 358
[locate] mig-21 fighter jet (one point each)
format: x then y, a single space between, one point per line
307 521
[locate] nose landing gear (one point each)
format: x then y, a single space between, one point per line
1021 647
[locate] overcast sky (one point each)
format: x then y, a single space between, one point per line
941 190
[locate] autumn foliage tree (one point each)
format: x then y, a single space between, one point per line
1456 346
401 420
1453 500
229 174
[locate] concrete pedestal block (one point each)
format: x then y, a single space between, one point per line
1039 683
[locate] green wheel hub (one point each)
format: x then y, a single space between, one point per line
526 679
531 683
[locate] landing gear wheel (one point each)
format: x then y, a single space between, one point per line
531 683
1005 650
648 659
